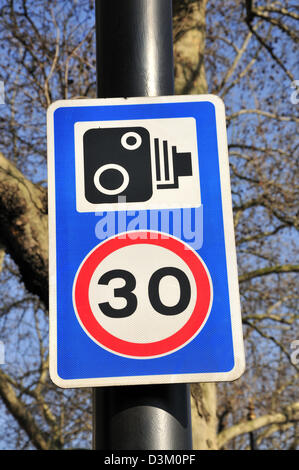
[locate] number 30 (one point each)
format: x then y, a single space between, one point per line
153 292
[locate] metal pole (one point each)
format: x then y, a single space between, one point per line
135 58
134 48
142 417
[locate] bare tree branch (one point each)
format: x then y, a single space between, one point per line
21 413
286 268
288 414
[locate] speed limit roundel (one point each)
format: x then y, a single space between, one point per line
142 294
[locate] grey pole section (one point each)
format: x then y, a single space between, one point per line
135 58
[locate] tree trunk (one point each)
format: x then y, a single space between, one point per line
189 31
204 418
24 227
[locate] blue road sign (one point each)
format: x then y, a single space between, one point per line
143 272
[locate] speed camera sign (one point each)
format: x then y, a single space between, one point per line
143 273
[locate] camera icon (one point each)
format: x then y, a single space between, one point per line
117 162
138 164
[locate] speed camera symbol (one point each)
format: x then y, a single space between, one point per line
118 161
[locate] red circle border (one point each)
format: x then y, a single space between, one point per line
132 349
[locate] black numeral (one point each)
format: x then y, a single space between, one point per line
154 296
126 292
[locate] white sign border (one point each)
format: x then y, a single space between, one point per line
229 238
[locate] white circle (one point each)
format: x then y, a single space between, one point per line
111 166
145 325
126 136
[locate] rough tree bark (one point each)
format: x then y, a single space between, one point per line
24 227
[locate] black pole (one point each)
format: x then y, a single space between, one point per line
142 417
135 58
252 441
134 48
